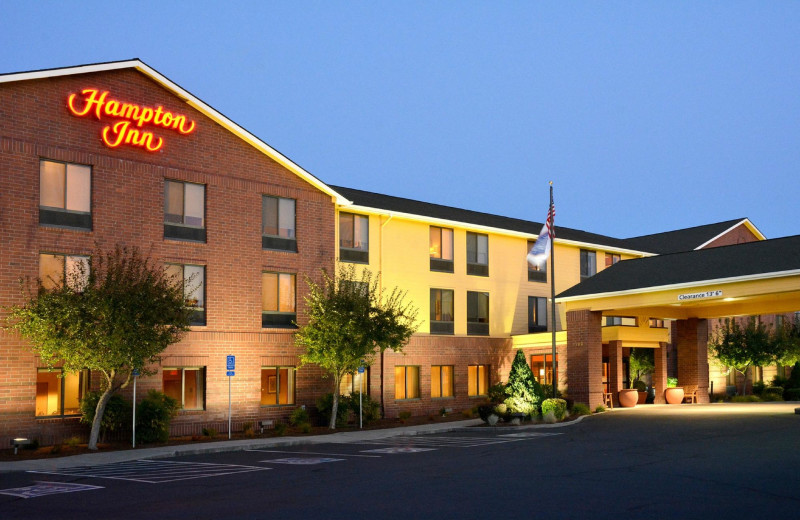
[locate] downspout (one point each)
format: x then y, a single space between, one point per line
380 272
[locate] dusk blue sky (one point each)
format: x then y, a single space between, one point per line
647 116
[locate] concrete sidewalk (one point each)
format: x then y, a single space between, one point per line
91 459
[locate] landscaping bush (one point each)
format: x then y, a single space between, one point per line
792 394
497 393
600 409
772 394
557 406
758 387
117 416
153 416
549 417
370 409
280 429
485 410
523 391
581 409
745 399
547 391
325 405
404 416
299 416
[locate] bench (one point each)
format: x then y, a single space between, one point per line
690 394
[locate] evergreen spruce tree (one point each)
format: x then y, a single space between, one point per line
523 391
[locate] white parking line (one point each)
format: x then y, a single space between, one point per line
47 488
317 453
155 472
442 442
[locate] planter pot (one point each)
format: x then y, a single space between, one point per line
674 395
628 397
642 398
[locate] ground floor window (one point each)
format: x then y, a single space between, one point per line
542 368
277 386
442 381
187 385
352 383
59 394
477 380
406 382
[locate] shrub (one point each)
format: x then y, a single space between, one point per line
497 393
304 427
280 429
485 410
523 391
248 430
469 413
745 399
518 404
501 409
792 394
299 416
600 409
794 377
117 416
547 391
549 417
153 416
325 405
557 406
640 386
370 409
73 441
758 387
404 416
780 381
581 409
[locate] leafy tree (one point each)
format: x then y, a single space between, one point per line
523 391
787 341
351 319
640 363
111 316
739 348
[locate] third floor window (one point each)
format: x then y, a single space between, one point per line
477 254
65 195
441 249
588 264
184 211
353 238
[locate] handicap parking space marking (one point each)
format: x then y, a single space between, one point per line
399 449
441 442
154 472
301 461
317 453
529 435
41 488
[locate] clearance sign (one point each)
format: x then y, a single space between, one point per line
133 121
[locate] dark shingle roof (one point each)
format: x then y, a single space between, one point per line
749 259
426 209
680 240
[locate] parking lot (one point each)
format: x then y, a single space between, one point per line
650 463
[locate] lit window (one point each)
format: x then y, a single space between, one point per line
193 278
542 368
657 323
65 195
353 238
278 224
55 268
536 273
477 254
441 311
588 264
187 385
352 382
620 321
442 381
611 259
59 394
537 314
184 211
406 382
477 313
477 380
278 307
441 249
277 386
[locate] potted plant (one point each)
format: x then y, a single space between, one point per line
640 363
673 393
628 397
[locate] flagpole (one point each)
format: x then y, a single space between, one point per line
553 288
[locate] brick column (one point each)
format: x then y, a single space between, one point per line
660 374
615 375
585 353
692 350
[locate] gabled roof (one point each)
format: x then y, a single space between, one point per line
375 202
688 239
751 260
191 100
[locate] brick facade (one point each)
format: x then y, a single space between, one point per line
691 339
585 351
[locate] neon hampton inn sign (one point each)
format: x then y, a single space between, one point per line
132 117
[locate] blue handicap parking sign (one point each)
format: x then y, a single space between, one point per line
231 362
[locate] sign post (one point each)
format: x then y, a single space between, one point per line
135 373
360 395
230 364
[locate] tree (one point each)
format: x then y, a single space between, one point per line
113 315
738 348
350 320
640 363
787 339
523 391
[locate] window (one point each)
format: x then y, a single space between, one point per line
278 221
542 368
193 278
59 394
442 381
441 249
441 311
536 273
537 314
352 383
184 211
65 195
406 382
477 313
477 254
477 380
278 307
657 323
55 268
277 386
353 238
619 321
611 259
588 264
187 385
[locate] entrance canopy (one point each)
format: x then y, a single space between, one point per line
745 279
